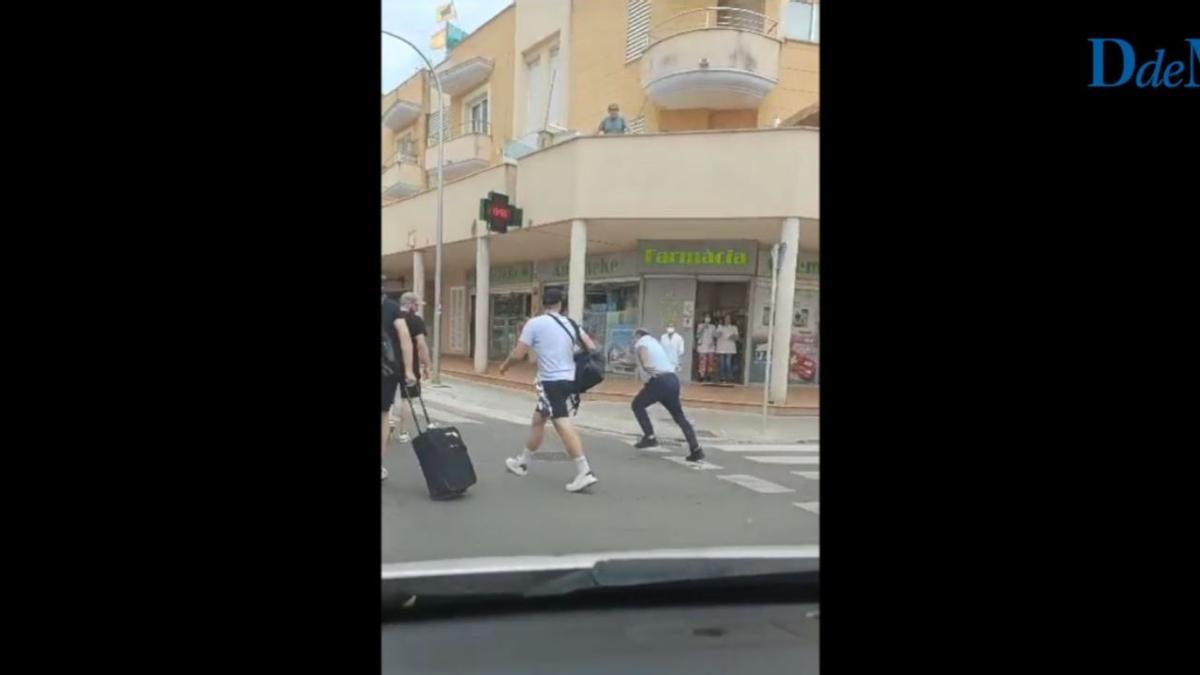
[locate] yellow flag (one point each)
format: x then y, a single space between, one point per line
446 12
438 41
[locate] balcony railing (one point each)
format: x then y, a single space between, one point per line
472 128
714 17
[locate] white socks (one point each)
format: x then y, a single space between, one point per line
523 458
581 466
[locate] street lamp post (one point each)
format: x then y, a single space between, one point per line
437 264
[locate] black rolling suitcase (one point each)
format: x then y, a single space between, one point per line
443 457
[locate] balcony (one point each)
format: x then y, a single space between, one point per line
719 58
402 177
401 114
463 77
468 149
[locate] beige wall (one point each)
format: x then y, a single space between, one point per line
418 214
536 22
799 82
598 59
412 89
768 173
493 40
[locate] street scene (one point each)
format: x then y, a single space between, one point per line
607 213
754 492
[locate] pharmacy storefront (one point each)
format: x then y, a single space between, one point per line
686 280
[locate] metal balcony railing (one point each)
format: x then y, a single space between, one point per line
714 17
458 131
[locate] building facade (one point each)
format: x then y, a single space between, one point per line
669 222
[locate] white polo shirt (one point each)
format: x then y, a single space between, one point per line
656 358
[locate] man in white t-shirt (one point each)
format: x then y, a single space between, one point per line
553 337
672 342
661 385
727 335
706 348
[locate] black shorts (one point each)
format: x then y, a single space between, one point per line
387 393
554 397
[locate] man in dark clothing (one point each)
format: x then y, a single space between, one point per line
410 307
396 330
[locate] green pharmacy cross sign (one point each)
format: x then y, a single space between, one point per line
498 213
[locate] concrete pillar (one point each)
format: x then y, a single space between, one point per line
483 275
578 271
785 303
418 285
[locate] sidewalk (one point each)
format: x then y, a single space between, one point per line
615 418
802 401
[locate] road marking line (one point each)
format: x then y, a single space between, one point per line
769 448
702 465
768 459
811 475
755 483
484 412
811 507
656 448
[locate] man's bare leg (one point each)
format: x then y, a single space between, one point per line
574 445
383 443
519 465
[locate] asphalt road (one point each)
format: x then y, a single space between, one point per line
745 495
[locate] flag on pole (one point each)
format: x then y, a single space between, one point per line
446 12
454 36
438 41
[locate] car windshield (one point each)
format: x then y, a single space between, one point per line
600 303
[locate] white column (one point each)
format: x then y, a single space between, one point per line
578 271
483 274
418 284
785 302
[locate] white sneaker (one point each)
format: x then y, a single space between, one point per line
384 468
403 437
582 482
515 467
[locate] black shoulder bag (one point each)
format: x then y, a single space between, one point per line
589 369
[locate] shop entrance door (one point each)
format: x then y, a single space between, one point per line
508 316
719 299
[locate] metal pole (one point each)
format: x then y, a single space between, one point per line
441 200
771 334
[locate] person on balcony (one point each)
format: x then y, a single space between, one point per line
613 123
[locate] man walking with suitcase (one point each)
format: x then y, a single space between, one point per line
395 330
552 336
657 371
410 306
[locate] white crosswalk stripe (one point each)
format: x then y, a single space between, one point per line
755 483
785 459
750 447
811 507
702 465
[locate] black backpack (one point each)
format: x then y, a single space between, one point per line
390 365
589 368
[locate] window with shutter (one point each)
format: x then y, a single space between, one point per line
638 125
637 31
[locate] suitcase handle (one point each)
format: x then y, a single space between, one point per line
416 421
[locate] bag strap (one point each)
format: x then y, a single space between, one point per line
574 338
